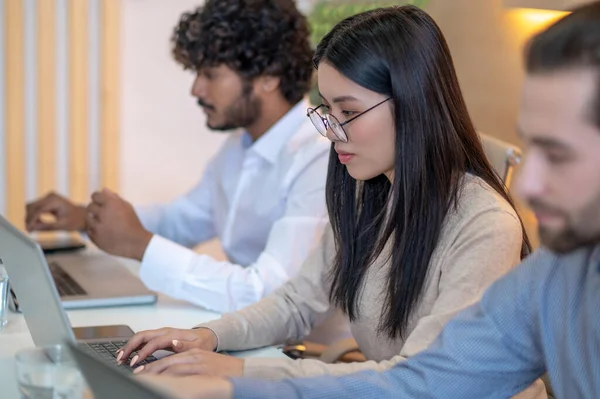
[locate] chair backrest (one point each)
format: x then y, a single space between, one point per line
502 155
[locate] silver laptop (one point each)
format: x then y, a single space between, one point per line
83 280
39 301
109 383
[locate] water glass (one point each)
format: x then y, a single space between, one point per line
48 373
4 289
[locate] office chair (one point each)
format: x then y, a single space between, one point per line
502 155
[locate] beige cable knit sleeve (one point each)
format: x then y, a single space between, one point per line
288 313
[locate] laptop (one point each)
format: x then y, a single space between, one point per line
107 382
39 301
83 280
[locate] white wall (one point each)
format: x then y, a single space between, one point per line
164 142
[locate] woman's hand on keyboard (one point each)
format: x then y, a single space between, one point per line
147 342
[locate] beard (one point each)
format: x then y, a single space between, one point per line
580 230
566 240
242 113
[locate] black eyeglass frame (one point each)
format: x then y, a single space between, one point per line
330 121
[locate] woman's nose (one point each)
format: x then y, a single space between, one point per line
331 136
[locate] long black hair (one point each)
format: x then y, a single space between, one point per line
401 53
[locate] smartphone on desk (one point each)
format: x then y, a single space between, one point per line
98 332
60 243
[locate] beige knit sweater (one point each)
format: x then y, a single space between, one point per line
480 241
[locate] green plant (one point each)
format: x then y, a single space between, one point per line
327 13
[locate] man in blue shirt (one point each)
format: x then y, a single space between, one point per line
545 315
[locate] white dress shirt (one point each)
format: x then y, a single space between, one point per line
264 200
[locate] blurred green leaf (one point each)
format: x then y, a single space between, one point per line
327 13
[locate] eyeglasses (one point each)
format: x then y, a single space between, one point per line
322 123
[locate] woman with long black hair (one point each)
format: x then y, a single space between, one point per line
420 223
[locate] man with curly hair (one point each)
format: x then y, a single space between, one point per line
263 193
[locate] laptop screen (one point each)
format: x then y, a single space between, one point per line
31 281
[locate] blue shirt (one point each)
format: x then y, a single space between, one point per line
543 316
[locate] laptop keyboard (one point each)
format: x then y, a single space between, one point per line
107 351
65 284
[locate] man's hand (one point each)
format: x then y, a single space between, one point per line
66 215
176 340
191 387
195 361
113 225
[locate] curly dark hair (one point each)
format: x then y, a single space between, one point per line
252 37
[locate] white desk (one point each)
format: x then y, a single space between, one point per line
166 312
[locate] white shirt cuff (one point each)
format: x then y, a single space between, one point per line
164 265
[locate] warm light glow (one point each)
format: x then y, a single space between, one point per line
537 19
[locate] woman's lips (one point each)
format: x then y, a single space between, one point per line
344 157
